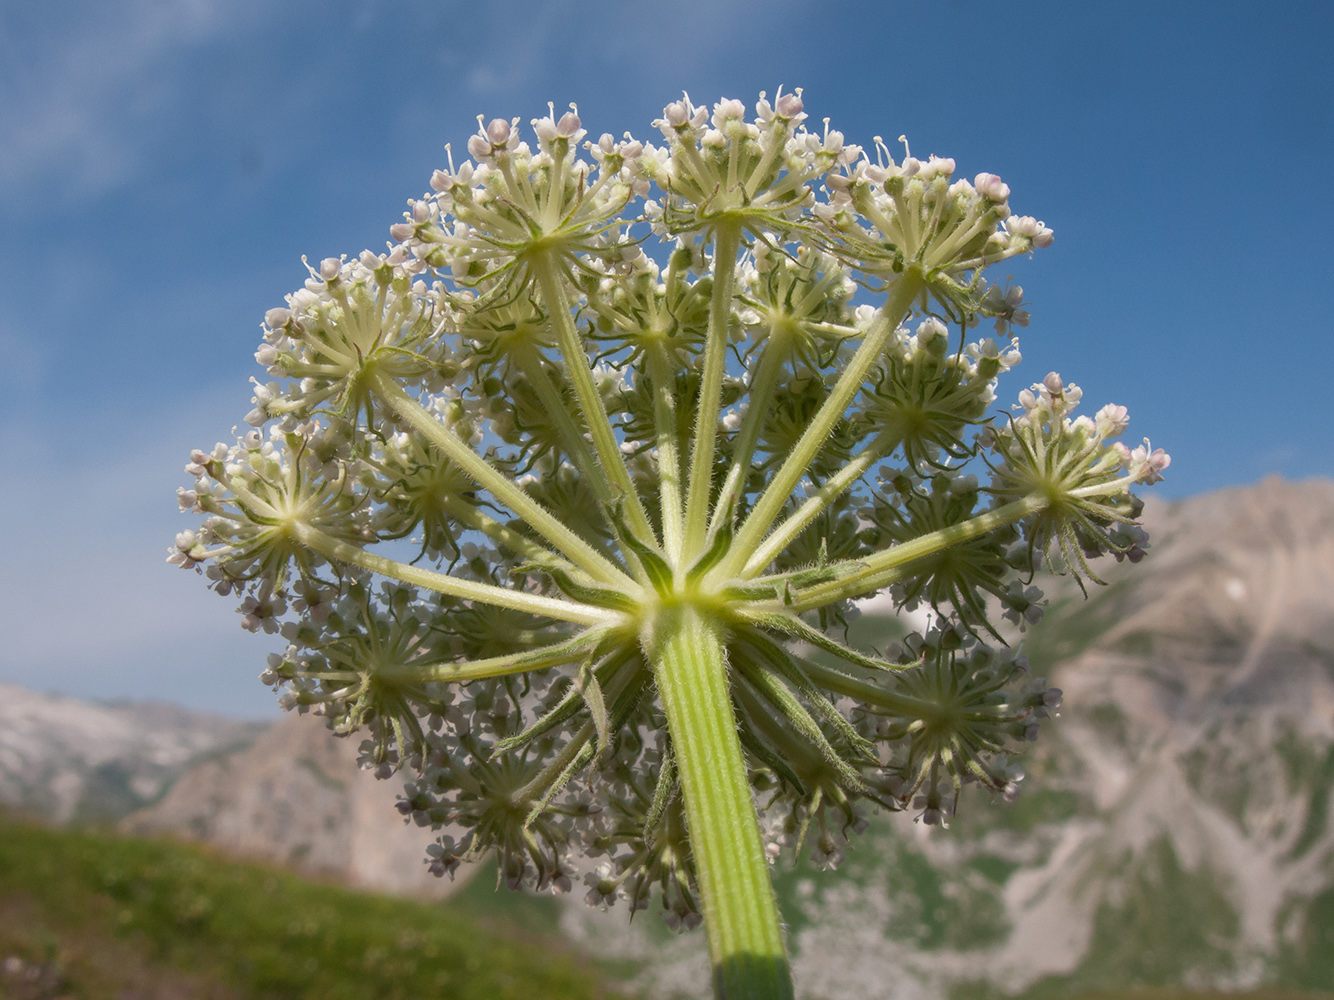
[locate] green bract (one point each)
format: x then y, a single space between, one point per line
560 500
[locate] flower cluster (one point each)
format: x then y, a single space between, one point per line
611 422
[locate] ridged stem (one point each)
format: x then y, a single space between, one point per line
740 912
505 490
534 368
669 454
887 566
552 287
441 583
834 487
799 459
727 238
763 386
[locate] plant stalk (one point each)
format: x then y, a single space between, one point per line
740 912
727 238
798 461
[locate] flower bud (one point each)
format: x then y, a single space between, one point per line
1030 228
991 187
498 132
789 106
728 110
545 129
676 114
937 166
568 125
1111 421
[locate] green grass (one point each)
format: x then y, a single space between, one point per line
104 916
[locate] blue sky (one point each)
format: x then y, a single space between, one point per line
165 163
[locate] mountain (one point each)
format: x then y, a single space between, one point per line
64 759
296 796
1174 827
283 791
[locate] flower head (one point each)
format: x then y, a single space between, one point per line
516 491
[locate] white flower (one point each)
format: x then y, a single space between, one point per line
992 187
596 390
1112 420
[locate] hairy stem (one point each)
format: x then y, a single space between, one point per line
740 912
834 487
763 386
534 368
669 455
470 590
521 545
504 489
463 671
780 487
889 565
590 399
727 237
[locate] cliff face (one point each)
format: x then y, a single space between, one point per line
296 796
64 759
1175 826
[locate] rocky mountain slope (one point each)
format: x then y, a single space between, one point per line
64 759
1174 828
296 796
1175 825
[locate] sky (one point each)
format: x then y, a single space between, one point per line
164 164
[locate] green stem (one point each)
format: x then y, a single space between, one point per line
521 545
463 671
504 489
470 590
669 454
763 385
534 368
834 487
727 238
889 565
586 392
841 682
740 912
780 488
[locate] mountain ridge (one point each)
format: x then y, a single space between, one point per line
297 796
64 758
1174 829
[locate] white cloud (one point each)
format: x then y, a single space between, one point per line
522 43
78 83
84 85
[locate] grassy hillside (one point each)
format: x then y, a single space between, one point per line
90 915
